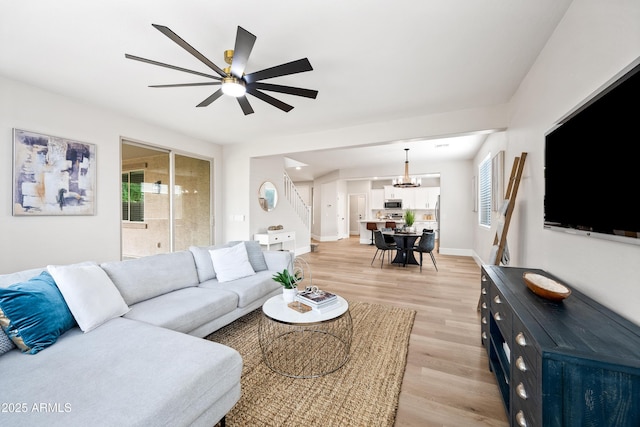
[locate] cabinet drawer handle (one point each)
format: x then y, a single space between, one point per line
484 320
497 299
521 420
484 305
520 364
521 392
497 316
484 291
521 340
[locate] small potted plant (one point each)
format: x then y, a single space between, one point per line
409 219
289 284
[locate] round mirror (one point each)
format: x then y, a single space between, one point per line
268 196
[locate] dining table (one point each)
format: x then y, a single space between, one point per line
405 242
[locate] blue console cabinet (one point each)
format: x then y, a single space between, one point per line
569 363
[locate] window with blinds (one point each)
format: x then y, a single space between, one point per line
132 196
484 192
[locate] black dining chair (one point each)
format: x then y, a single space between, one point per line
425 245
381 247
388 238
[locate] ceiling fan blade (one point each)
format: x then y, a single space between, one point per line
217 94
290 90
244 44
186 46
187 84
269 99
244 104
173 67
294 67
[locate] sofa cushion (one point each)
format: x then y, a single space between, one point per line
248 289
255 254
147 277
231 263
202 258
34 313
185 309
90 294
20 276
124 373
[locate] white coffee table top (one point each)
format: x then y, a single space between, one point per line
277 309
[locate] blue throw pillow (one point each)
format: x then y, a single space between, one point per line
34 313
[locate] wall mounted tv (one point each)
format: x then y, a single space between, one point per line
592 164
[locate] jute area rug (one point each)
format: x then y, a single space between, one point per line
364 392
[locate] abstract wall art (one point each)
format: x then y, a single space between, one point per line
52 175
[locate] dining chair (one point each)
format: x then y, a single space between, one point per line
425 245
381 247
387 238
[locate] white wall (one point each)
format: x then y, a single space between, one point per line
595 40
30 242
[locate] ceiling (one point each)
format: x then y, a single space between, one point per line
373 61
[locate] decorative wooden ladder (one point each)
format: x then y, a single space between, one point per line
507 209
500 240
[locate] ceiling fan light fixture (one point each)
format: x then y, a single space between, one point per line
233 87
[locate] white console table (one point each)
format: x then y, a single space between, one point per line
268 239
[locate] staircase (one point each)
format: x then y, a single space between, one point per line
298 205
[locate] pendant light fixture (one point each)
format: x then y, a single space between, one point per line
406 181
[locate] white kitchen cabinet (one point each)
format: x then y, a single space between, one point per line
431 194
391 192
377 198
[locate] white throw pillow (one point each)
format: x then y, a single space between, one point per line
90 294
231 263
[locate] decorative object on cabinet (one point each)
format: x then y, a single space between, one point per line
406 181
569 363
546 287
268 196
52 175
275 228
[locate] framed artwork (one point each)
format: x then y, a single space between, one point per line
52 175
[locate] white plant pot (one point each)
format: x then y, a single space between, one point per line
289 295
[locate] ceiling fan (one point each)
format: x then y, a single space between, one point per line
232 79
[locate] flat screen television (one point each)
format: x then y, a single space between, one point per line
592 164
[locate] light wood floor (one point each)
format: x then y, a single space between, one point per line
447 381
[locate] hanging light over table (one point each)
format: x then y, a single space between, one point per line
406 181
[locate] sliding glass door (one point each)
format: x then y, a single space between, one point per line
166 201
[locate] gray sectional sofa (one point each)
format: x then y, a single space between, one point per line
147 366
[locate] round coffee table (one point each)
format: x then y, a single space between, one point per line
304 345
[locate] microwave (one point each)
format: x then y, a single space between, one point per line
393 204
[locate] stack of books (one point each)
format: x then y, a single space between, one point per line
319 301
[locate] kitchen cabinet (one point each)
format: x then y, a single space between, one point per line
391 192
428 197
377 198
